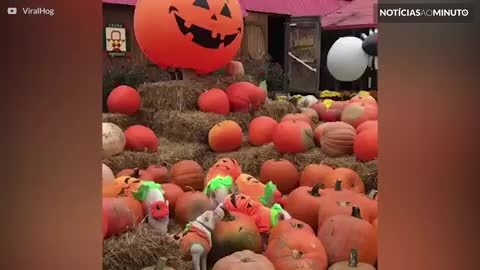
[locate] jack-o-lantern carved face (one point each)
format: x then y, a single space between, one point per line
202 35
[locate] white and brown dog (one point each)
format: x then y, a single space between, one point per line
197 238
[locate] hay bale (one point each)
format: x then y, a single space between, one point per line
143 116
222 81
171 95
276 109
181 95
301 160
169 152
192 126
121 120
141 247
250 158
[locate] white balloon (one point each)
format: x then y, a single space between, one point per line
346 60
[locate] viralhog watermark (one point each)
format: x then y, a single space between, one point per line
425 13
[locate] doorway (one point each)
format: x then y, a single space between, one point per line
276 38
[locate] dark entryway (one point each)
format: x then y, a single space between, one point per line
276 38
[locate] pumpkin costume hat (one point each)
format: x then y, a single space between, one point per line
219 182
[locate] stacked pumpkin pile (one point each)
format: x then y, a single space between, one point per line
234 127
333 221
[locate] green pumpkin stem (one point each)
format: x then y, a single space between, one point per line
136 173
353 260
373 194
338 185
315 190
356 212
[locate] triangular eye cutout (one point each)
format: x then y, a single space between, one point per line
202 4
226 11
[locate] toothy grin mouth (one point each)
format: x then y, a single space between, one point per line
201 36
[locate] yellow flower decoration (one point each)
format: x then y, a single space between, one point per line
328 93
364 93
328 102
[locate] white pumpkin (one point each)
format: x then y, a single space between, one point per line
310 100
113 140
107 174
306 101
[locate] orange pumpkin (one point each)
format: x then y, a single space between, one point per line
242 203
293 136
225 136
311 113
339 105
299 250
297 117
248 92
318 132
313 174
357 113
235 232
260 130
303 203
350 180
337 139
363 99
224 167
367 125
199 35
240 100
369 203
141 138
187 174
158 172
136 173
331 207
235 68
282 173
288 227
332 113
248 185
245 259
340 233
352 263
214 101
121 186
124 99
319 107
171 192
122 214
366 145
191 205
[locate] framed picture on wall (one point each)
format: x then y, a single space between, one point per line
116 43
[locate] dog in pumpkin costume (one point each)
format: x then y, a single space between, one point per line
197 237
156 206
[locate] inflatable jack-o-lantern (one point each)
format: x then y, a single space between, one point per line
203 35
